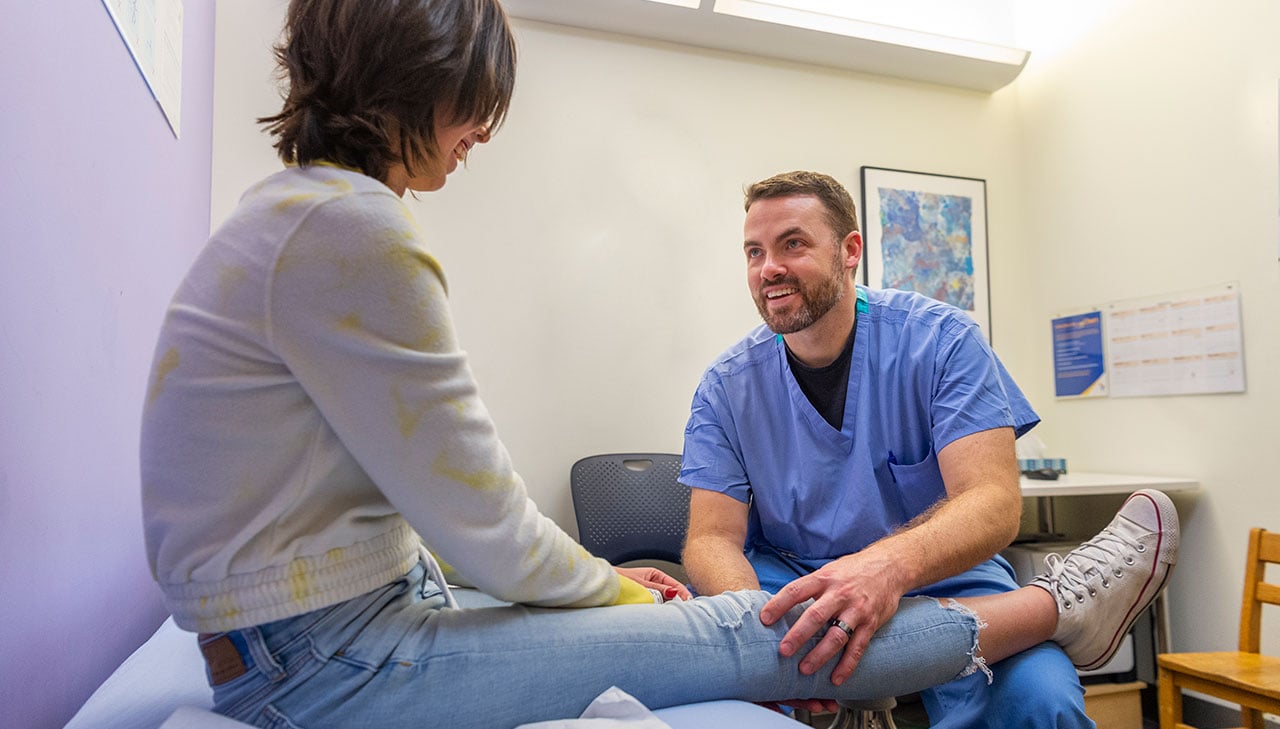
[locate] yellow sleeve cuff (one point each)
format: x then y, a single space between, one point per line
631 592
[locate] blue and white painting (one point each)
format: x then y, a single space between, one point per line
928 233
927 241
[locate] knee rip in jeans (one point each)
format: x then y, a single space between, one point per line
729 609
976 662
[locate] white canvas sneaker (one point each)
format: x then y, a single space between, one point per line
1103 585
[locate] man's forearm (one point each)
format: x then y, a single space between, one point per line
957 534
715 566
979 517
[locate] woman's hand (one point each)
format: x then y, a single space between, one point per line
656 579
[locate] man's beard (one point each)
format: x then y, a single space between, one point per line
815 301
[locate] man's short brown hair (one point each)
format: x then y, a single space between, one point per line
842 214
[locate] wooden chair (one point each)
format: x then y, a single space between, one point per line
1243 677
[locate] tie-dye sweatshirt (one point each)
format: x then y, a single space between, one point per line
310 415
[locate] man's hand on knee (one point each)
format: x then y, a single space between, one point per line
853 596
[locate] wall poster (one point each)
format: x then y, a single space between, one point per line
1177 344
152 31
1079 364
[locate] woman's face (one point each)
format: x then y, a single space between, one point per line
453 141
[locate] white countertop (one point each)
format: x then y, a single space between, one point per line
1091 484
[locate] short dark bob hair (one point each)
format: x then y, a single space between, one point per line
368 79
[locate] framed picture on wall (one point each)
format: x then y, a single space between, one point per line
927 233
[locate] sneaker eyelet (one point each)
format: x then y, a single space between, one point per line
1129 561
1142 547
1106 584
1118 573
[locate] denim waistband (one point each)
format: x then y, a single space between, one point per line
270 647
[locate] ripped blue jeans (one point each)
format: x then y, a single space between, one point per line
398 657
1035 689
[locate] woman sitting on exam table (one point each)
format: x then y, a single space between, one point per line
311 420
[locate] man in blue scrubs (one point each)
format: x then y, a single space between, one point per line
856 448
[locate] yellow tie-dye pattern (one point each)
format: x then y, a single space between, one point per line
230 278
350 322
419 328
224 607
567 557
409 259
532 554
331 165
407 418
335 555
339 185
562 564
482 480
414 229
292 200
567 560
168 363
283 263
299 581
414 233
562 567
430 342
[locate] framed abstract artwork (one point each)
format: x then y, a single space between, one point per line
927 233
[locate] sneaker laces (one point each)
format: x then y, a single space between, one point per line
1092 563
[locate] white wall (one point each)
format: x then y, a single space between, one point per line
1149 160
593 248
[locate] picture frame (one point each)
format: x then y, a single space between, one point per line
927 233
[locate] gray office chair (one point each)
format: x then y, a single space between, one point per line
630 506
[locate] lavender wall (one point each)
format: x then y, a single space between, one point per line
101 211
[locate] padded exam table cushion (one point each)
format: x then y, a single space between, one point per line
163 684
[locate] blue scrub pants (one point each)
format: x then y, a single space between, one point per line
398 657
1036 689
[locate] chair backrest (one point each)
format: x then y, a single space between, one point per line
1264 549
630 506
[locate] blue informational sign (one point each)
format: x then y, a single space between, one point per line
1079 368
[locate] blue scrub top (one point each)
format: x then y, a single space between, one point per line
921 376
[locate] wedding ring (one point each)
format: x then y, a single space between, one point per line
838 623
